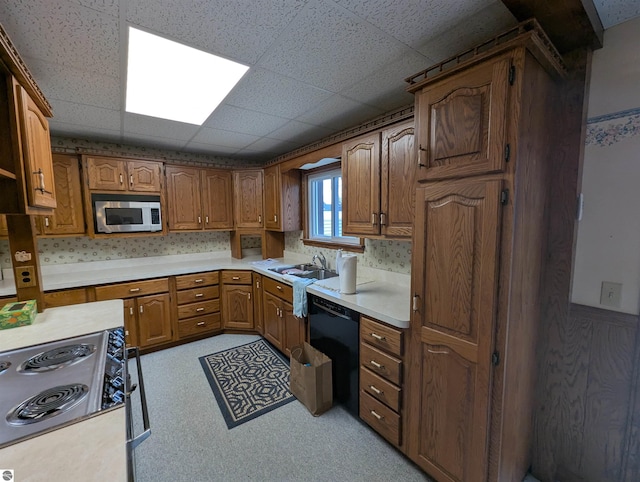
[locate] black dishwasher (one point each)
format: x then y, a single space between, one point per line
335 331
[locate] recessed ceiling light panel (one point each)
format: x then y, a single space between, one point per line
173 81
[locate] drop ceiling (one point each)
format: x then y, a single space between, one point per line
316 66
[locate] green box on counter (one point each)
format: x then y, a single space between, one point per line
18 313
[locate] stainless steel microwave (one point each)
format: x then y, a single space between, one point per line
125 215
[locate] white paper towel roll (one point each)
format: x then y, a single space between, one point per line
348 268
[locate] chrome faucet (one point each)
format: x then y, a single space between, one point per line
323 260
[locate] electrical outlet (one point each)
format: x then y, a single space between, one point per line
25 276
610 294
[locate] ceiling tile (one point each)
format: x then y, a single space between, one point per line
206 148
613 12
406 20
330 48
268 144
155 127
83 132
224 138
68 34
267 92
85 115
301 132
469 32
339 113
63 83
151 141
239 32
231 118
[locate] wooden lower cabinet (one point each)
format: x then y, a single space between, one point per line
237 300
65 297
147 310
381 378
281 327
198 304
273 329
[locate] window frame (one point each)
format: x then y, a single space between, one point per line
333 242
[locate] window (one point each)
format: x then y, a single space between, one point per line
324 220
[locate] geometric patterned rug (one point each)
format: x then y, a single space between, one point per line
248 381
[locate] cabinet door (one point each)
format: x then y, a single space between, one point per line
4 230
183 198
217 199
248 199
144 176
361 186
397 181
237 307
294 327
154 321
272 198
258 316
106 174
68 217
36 149
460 122
273 329
130 323
455 280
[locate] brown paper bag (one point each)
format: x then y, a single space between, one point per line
310 378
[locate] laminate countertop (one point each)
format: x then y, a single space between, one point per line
380 294
92 448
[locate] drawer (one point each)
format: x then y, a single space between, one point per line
381 363
198 279
236 277
381 389
381 336
278 289
381 418
64 297
130 290
197 309
201 324
198 294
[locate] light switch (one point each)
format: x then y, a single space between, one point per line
610 294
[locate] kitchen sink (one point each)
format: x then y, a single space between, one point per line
319 274
305 270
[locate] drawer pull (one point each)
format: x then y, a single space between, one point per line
376 390
199 280
199 309
378 337
199 295
376 364
438 352
134 290
377 415
279 287
235 278
201 323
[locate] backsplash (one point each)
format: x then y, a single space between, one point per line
84 249
388 255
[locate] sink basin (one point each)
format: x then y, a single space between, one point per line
305 270
319 274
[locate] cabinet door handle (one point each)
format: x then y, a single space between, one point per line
374 219
199 295
376 364
206 219
259 218
199 280
383 219
235 278
199 220
258 284
46 221
199 309
377 415
201 323
249 296
378 337
131 180
141 309
131 310
40 187
438 352
121 179
420 151
415 303
376 390
275 218
134 290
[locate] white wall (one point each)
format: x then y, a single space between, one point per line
608 242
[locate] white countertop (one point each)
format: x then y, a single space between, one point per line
93 448
384 296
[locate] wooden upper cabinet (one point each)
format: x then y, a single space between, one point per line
455 269
115 174
397 181
183 198
217 198
282 199
461 122
36 149
199 198
248 198
361 185
67 217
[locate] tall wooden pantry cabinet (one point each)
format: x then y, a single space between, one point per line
482 138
